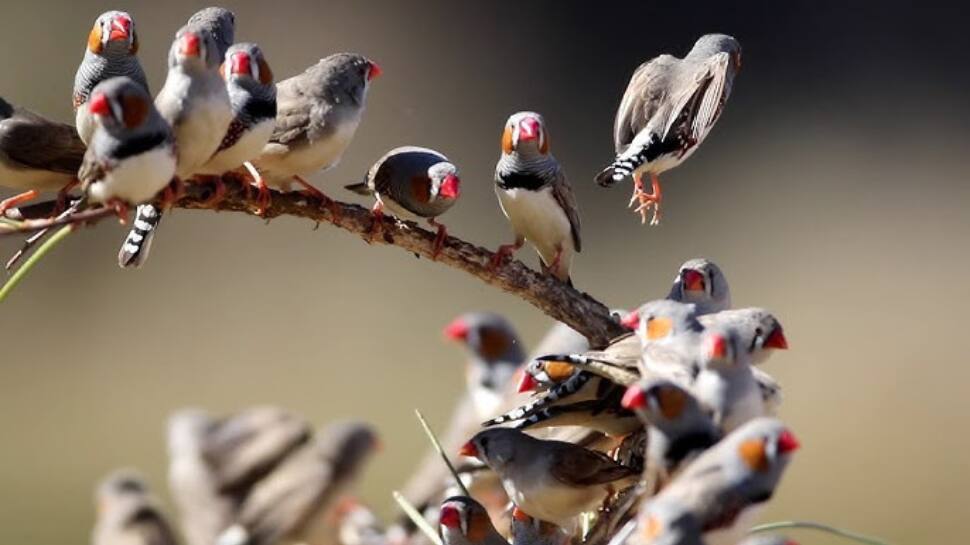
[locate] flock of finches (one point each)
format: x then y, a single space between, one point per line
665 436
219 111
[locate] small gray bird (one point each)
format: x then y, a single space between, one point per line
759 330
131 156
194 101
725 383
291 503
36 154
412 181
220 23
111 51
669 335
128 514
535 196
528 530
317 115
662 522
463 521
550 480
701 282
678 428
668 109
724 486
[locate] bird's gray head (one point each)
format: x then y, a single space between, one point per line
495 447
187 428
662 319
525 133
701 282
445 183
119 485
721 349
759 332
346 76
489 336
712 44
120 105
194 50
246 66
462 519
221 23
661 402
542 374
348 445
762 448
113 35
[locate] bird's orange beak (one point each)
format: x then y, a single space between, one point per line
634 398
529 129
449 517
120 29
99 105
469 449
450 187
718 347
693 280
519 514
527 383
776 340
631 321
241 63
787 442
374 71
190 45
457 330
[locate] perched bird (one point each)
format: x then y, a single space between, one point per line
220 23
667 110
725 382
725 485
317 116
36 154
678 428
291 504
701 282
768 539
111 51
759 330
215 462
535 196
663 523
669 335
128 514
412 181
550 480
131 156
195 103
528 530
463 521
252 96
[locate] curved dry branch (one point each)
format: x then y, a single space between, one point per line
557 299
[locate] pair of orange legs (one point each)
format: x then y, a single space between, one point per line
647 200
505 252
377 225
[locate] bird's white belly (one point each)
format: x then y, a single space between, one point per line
279 164
198 136
137 179
537 217
247 147
24 179
553 502
84 122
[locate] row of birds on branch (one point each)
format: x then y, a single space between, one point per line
219 111
666 436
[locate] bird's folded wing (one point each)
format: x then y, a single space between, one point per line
700 100
643 98
563 193
581 467
35 142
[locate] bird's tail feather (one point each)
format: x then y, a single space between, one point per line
360 189
624 165
138 243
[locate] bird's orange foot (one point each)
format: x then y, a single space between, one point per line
503 254
439 239
121 210
377 225
63 194
649 201
6 204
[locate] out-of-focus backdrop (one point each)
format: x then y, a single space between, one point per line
832 191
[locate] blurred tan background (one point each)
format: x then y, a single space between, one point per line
833 191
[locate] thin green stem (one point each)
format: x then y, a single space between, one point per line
43 250
417 518
441 451
788 524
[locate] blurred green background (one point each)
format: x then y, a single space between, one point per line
833 191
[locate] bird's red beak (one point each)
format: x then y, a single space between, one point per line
449 517
469 449
787 442
374 71
457 330
718 347
190 45
241 63
99 105
693 280
450 187
634 398
528 129
776 340
120 29
527 383
519 514
631 321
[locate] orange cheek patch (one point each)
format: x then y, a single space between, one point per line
94 39
652 529
421 188
752 452
559 371
494 344
134 44
135 111
507 140
265 74
672 402
544 148
478 527
658 328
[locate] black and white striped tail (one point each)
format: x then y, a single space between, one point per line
624 165
555 394
135 250
574 359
